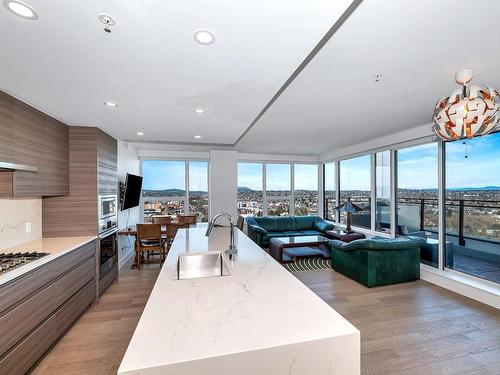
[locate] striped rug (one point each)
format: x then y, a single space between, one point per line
308 264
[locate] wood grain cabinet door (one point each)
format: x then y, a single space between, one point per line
6 128
29 147
57 155
43 142
6 141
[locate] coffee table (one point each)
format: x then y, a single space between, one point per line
287 249
340 235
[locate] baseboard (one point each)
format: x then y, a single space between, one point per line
125 259
469 286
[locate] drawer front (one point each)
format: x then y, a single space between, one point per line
18 322
107 280
25 355
16 291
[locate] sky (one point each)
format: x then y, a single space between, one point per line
482 166
168 174
278 176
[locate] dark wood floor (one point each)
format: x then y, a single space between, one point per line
411 328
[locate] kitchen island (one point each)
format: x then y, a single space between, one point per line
258 320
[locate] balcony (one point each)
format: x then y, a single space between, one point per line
472 232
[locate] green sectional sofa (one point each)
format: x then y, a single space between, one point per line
262 229
378 261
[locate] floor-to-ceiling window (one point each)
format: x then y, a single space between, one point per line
167 188
355 184
305 191
278 189
473 206
417 196
330 191
383 191
268 189
250 189
198 189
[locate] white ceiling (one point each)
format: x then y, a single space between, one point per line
416 45
67 66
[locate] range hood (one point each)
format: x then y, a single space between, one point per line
11 167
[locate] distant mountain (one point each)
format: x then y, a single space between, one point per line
488 188
167 192
244 189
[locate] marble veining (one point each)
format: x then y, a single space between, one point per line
260 311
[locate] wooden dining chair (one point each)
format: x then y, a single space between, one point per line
240 222
162 219
187 219
149 240
171 233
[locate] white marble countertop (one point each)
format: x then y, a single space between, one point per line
56 246
260 305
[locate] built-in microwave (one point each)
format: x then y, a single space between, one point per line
107 206
108 212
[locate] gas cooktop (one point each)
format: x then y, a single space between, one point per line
9 261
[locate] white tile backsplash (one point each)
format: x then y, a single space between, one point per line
14 216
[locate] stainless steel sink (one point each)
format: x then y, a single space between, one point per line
199 265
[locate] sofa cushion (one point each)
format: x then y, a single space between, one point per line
292 233
304 222
379 243
286 223
269 223
322 225
311 233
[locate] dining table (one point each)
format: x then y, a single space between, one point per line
132 231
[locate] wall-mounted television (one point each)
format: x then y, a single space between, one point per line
132 191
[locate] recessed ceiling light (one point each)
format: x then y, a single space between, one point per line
204 37
197 136
140 133
21 9
199 110
111 104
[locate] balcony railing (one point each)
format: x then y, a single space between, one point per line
465 218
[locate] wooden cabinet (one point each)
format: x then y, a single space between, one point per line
36 139
57 157
37 308
93 166
106 164
6 128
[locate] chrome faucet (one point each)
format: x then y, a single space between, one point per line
232 248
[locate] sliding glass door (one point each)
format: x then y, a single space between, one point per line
473 206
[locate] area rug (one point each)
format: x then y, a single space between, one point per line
308 264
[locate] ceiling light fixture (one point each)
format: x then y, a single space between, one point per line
107 20
21 9
111 104
197 136
467 112
140 133
204 37
199 111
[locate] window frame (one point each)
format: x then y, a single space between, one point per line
183 198
290 197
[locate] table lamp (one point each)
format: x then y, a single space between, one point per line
350 208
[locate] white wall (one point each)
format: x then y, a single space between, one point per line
222 181
415 133
14 214
128 162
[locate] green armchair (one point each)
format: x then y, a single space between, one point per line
378 261
262 229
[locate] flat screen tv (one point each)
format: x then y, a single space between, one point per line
132 192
